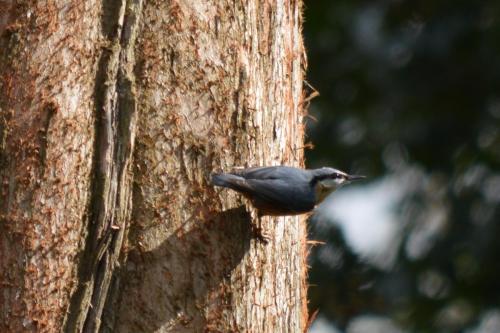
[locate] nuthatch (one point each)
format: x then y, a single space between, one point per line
284 190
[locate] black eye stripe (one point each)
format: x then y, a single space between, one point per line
330 176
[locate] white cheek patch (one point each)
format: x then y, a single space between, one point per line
329 182
333 182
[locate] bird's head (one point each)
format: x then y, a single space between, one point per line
327 180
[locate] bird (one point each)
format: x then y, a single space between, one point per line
284 190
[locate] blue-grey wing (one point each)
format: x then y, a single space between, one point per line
276 172
281 195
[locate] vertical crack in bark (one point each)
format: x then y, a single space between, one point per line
110 204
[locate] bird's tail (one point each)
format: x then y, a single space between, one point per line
224 179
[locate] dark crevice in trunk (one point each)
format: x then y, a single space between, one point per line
110 205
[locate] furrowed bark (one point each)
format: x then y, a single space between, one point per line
220 86
113 115
48 52
110 206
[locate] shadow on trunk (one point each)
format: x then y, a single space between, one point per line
213 248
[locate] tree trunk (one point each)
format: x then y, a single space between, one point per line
113 116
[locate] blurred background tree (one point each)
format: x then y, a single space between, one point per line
410 96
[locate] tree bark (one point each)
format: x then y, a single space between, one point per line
113 116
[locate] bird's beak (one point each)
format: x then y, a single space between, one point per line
352 178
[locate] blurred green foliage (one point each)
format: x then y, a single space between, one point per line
411 84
